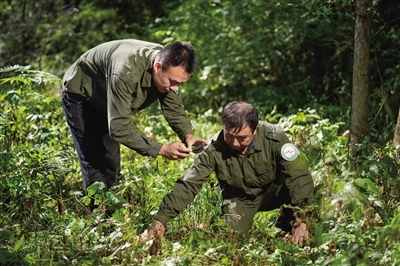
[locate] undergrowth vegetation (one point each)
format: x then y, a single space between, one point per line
355 219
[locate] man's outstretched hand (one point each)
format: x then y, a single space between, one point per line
192 140
154 233
292 220
157 229
179 150
174 151
299 233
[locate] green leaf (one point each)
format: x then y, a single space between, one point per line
115 199
367 184
18 245
95 188
340 185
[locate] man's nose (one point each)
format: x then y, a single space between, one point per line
234 142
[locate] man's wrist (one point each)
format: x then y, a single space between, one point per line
162 219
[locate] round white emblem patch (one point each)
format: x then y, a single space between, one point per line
289 152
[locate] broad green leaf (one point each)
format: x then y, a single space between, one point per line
95 188
115 199
367 184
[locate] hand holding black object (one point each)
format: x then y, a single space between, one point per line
197 148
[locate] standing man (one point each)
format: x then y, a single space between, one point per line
111 82
257 168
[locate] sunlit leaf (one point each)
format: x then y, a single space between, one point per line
367 184
115 200
19 244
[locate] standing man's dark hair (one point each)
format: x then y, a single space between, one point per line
111 82
178 54
237 115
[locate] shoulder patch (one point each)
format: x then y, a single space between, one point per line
289 152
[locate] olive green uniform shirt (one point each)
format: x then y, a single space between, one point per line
240 176
116 77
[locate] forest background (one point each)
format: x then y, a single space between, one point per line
294 60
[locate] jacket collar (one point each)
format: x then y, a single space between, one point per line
147 80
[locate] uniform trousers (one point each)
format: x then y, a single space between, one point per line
239 212
98 153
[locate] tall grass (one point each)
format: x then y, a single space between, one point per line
355 218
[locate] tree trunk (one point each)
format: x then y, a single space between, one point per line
359 100
396 138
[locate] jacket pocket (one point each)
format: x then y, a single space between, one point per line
264 174
231 176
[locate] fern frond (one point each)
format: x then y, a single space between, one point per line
24 75
15 68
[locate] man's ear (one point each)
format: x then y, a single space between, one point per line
157 67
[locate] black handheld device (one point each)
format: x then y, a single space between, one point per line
199 147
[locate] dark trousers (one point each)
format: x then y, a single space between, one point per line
98 153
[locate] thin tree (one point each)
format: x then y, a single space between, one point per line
359 106
396 138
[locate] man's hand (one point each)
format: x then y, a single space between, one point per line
299 228
174 151
292 221
299 233
192 140
157 229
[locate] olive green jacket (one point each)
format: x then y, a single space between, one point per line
116 77
242 176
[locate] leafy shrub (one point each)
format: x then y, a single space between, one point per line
354 219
